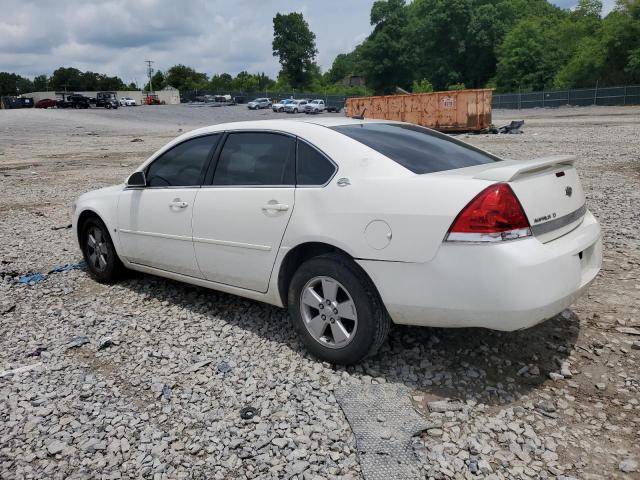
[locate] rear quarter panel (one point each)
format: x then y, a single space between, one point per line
419 209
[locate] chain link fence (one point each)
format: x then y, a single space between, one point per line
628 95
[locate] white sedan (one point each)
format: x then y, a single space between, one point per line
127 102
352 225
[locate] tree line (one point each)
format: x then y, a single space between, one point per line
63 79
502 44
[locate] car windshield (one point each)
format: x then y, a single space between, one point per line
416 148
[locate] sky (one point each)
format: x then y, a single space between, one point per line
213 36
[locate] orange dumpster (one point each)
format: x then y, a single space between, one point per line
454 111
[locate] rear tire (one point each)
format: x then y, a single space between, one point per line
349 321
98 251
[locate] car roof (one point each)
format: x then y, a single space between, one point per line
284 125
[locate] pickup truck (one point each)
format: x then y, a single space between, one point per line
315 106
73 100
106 99
296 106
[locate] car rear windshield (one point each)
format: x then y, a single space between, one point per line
416 148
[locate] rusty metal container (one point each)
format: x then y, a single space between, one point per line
455 111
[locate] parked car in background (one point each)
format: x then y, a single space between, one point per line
289 216
259 103
334 106
46 103
127 102
314 106
279 107
296 106
107 100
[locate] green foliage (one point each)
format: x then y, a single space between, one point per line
422 86
344 65
609 54
158 82
529 56
506 44
40 83
456 86
13 84
295 45
384 57
185 78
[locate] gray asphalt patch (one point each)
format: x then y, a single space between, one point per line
383 421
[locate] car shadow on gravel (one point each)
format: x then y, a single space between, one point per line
478 364
466 364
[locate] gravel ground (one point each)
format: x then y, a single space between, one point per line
146 379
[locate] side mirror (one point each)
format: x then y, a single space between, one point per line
137 179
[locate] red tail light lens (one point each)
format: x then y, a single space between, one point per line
495 214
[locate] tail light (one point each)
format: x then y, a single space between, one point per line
494 215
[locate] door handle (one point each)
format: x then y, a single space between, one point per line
279 207
178 204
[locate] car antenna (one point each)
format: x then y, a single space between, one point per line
361 116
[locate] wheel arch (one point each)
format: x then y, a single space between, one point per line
84 215
303 252
89 212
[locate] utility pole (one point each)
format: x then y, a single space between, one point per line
150 72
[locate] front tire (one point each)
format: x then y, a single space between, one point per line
336 310
98 251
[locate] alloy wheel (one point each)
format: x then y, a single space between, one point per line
97 249
329 312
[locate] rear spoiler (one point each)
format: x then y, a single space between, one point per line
515 168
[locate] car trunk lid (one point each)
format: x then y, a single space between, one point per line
548 189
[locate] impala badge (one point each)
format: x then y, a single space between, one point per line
568 191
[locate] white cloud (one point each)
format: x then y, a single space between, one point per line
215 36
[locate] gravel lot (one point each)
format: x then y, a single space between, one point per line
161 399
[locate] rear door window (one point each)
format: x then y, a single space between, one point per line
182 165
312 167
256 158
416 148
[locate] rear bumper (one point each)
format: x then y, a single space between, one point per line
507 286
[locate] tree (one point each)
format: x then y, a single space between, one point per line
40 83
13 84
529 56
221 83
422 86
295 45
67 79
609 55
385 54
158 81
185 78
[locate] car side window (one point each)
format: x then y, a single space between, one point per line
183 165
256 158
312 167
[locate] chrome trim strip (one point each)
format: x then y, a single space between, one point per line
227 243
557 223
157 235
487 237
